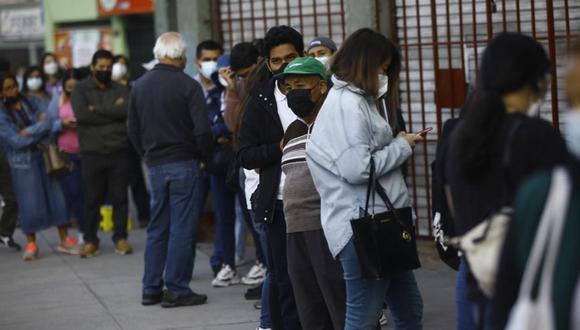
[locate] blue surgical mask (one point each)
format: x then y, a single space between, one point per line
572 133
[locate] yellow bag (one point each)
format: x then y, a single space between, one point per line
106 224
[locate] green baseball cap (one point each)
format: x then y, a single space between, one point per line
305 66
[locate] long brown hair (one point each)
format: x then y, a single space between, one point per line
359 59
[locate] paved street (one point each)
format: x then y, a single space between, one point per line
63 292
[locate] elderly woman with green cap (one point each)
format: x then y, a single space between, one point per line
316 277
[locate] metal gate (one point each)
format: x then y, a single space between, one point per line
246 20
442 42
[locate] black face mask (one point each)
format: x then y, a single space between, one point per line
103 76
281 70
11 100
299 102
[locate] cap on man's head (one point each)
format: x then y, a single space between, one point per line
223 61
322 41
306 66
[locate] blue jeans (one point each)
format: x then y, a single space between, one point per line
72 187
260 229
172 228
365 297
224 247
465 307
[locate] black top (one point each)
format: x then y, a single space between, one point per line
259 147
168 119
101 116
535 145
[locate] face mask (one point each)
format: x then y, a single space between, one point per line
534 109
223 81
323 59
208 68
34 84
572 133
383 85
51 68
119 71
103 76
281 70
299 102
11 100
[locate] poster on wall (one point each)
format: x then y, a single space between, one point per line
21 23
75 47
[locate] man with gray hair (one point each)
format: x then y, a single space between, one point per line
170 128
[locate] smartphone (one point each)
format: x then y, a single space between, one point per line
424 132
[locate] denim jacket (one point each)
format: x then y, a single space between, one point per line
348 131
20 149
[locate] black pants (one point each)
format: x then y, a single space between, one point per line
317 281
105 175
10 211
283 311
137 185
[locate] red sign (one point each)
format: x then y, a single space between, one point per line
124 7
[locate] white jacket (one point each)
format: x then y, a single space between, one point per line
348 130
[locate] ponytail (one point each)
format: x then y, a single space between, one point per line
477 134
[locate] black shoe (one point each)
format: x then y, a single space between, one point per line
254 293
171 300
8 242
151 299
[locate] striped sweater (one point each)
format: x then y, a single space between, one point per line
301 199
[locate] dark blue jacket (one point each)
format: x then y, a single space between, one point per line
168 118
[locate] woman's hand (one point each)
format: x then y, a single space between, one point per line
41 116
69 123
411 139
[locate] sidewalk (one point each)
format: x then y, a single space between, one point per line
64 292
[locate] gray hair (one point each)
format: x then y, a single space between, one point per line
169 45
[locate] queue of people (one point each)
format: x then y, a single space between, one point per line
306 146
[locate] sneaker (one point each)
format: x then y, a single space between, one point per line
254 293
225 277
81 239
89 250
31 252
256 275
8 241
151 299
122 247
171 300
383 320
69 246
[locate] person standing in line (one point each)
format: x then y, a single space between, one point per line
23 128
264 121
51 72
100 107
137 184
34 85
357 122
322 49
316 276
171 129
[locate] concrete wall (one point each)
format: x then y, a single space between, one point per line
361 14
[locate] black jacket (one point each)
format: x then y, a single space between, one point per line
259 140
102 122
168 119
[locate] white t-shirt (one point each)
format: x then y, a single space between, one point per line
287 117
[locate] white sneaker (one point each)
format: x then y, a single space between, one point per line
383 320
225 277
256 275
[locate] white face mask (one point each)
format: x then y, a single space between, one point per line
572 133
223 81
383 85
208 68
119 71
34 84
324 60
51 68
534 109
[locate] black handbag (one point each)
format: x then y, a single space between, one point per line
385 242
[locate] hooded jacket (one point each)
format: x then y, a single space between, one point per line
349 130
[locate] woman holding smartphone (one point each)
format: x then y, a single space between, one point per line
356 122
64 126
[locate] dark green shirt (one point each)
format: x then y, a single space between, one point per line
101 116
529 206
